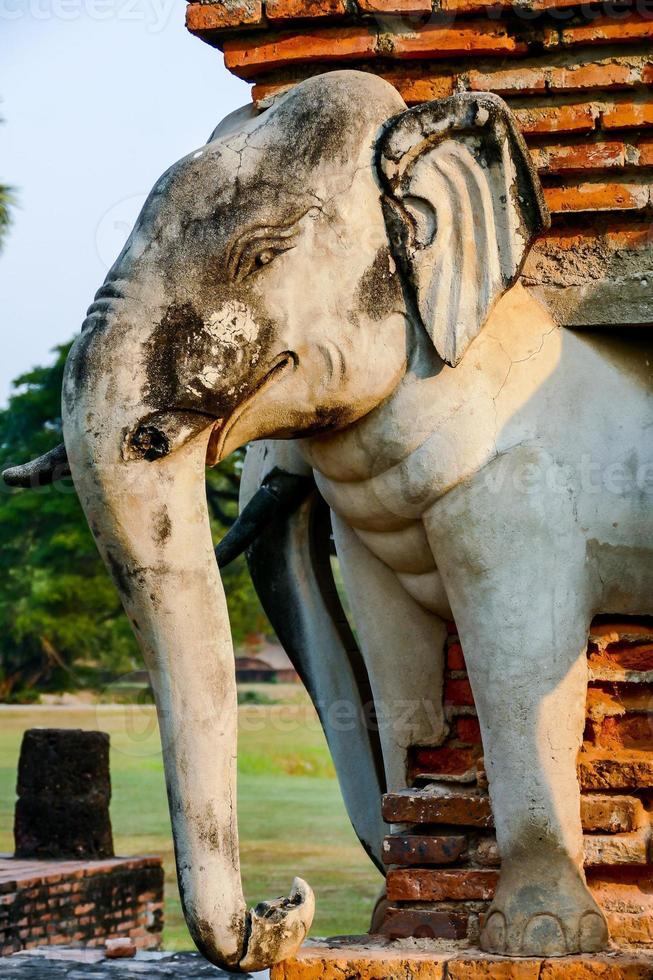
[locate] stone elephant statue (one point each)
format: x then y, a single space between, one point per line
342 272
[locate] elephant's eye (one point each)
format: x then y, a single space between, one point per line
259 248
265 257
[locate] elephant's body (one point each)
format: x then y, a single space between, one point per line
514 493
533 411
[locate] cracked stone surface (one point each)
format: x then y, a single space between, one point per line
52 964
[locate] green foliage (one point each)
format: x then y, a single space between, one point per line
6 201
61 621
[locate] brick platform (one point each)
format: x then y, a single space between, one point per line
79 902
364 960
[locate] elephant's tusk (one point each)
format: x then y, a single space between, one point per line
277 929
39 472
280 493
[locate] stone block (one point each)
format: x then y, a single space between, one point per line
64 790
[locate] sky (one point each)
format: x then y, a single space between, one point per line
98 98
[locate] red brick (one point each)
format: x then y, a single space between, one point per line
580 77
409 849
468 730
611 814
601 30
439 885
622 732
597 196
619 770
645 156
288 9
557 119
448 760
513 81
414 87
579 157
460 808
458 691
394 6
626 115
245 57
403 923
481 968
203 17
455 658
469 37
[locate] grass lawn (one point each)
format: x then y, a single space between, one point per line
291 816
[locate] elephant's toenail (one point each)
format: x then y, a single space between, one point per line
493 938
544 936
592 933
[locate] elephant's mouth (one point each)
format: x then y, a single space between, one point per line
285 362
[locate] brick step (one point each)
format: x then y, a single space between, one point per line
438 885
471 808
407 850
459 921
460 807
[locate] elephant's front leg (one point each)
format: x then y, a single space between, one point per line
517 593
403 647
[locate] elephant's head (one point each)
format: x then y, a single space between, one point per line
272 287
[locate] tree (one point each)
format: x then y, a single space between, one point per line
61 621
6 200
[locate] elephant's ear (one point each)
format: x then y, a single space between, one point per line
462 203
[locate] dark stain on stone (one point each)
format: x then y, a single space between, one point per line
162 526
172 349
379 289
119 574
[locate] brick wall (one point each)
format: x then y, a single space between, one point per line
80 903
579 78
443 863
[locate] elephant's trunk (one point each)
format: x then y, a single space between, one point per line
151 524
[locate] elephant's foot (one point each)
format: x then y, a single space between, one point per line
550 913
